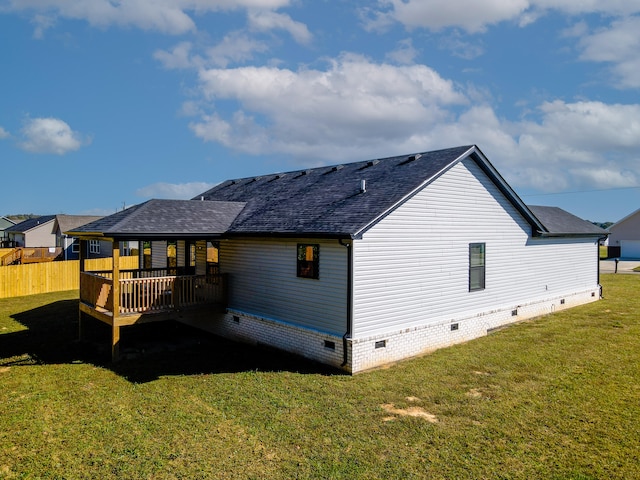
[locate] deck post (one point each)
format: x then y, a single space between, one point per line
82 256
115 343
116 278
115 328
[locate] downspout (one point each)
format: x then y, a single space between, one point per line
598 250
349 246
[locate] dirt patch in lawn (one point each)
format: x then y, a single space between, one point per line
407 412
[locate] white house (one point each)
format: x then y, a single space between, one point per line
362 264
624 240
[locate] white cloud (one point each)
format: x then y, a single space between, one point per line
50 135
236 47
356 109
166 16
4 134
619 45
177 191
470 15
267 20
404 54
352 105
178 58
474 16
42 23
584 143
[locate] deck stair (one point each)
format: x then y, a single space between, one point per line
22 255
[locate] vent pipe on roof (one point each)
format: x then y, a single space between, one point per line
363 186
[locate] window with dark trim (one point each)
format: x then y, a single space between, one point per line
308 260
94 246
476 266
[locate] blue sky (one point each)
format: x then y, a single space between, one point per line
107 103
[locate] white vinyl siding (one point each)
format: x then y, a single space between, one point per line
263 281
412 268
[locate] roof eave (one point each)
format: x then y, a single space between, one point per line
571 235
290 234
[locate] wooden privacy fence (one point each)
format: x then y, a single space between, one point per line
31 279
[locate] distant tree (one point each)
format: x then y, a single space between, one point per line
21 217
604 225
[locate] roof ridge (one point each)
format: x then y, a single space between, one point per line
334 167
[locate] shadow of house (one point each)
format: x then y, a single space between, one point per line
148 353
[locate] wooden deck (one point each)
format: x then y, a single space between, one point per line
22 255
141 296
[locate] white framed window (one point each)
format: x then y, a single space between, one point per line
476 266
94 246
75 246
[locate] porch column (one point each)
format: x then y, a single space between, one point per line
115 328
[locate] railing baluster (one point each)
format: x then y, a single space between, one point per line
144 294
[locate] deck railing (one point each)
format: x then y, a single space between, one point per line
31 255
96 290
142 293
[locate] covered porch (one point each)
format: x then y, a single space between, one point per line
127 297
177 275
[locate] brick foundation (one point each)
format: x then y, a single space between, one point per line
367 353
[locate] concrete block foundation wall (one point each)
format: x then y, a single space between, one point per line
367 353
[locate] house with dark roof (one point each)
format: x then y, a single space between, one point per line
71 245
33 232
624 240
354 265
4 236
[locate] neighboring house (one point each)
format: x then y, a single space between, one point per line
5 223
34 232
71 245
624 239
354 265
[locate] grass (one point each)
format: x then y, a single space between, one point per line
603 252
553 398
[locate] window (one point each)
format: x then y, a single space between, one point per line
146 255
308 260
94 246
476 266
75 246
172 257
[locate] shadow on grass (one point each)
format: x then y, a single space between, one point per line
149 351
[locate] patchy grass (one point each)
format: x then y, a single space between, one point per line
603 252
553 398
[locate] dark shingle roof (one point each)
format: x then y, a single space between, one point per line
336 201
561 222
30 223
328 200
166 218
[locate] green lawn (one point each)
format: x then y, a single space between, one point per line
554 398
